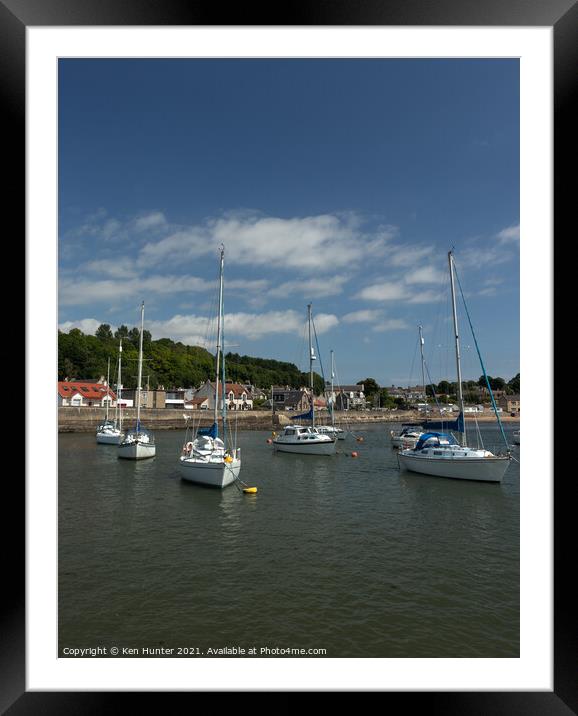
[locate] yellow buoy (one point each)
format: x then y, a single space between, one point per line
250 489
228 459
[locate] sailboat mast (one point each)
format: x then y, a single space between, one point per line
457 339
218 356
311 357
139 388
119 387
331 403
422 363
107 387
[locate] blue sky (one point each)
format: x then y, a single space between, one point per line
342 183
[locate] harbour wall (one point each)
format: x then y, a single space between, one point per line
86 420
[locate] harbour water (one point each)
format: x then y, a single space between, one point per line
342 554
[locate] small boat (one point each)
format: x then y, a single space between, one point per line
406 437
439 454
206 460
138 443
306 440
109 432
332 431
516 437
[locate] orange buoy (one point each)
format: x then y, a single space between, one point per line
354 454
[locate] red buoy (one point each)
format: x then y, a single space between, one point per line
354 454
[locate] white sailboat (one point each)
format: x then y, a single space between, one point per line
138 443
300 439
110 431
206 460
440 454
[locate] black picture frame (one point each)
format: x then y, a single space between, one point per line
562 15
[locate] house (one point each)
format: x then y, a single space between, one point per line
148 398
197 404
85 393
286 398
510 403
236 395
348 397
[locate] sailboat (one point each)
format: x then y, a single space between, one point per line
332 429
301 439
206 460
439 454
138 443
110 431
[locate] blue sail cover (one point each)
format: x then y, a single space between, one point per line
427 436
305 416
457 425
212 431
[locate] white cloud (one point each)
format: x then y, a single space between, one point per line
320 243
363 316
78 292
195 330
310 288
154 220
510 234
390 324
386 291
86 325
425 274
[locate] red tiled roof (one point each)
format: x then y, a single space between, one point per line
90 391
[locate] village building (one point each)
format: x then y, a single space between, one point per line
348 397
510 403
286 398
85 393
236 395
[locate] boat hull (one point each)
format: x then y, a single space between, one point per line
483 469
136 451
309 447
108 438
213 474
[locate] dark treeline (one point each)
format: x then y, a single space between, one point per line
165 362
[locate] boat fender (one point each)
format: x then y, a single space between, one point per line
188 448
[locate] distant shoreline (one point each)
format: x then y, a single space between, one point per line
86 420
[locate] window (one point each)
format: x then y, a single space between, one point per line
437 452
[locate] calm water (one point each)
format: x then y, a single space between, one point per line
338 553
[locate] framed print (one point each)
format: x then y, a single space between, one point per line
124 206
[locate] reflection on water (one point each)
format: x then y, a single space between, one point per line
337 552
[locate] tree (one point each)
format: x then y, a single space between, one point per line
103 332
121 332
513 385
370 386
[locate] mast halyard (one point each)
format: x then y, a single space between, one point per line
457 342
311 359
107 388
119 387
422 365
219 328
331 404
139 388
